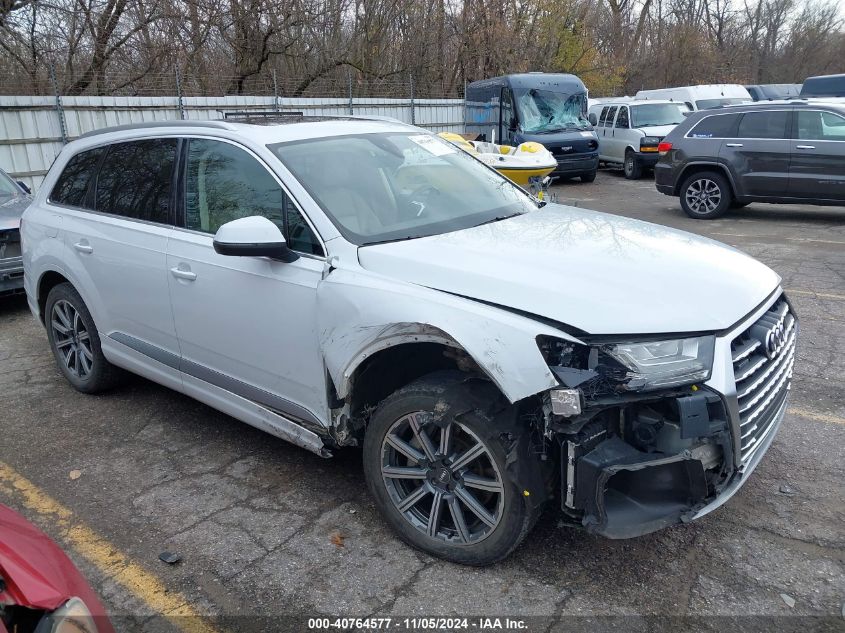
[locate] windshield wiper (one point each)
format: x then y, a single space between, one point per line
498 218
395 239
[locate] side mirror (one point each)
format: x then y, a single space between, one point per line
593 119
255 236
23 186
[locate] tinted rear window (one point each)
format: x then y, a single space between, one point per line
765 124
717 126
72 185
135 180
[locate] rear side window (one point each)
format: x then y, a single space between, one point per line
224 183
72 186
764 124
611 114
717 126
603 116
135 180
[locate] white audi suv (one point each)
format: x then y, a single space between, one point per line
345 281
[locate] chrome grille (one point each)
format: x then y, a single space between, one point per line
763 357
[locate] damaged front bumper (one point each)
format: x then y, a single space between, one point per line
623 492
631 464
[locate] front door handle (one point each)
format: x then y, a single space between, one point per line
733 144
805 147
84 247
181 273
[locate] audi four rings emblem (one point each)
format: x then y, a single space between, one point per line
775 338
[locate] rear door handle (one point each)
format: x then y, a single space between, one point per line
181 273
733 144
805 147
84 247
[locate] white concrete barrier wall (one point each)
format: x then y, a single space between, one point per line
31 133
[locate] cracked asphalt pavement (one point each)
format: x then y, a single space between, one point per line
267 529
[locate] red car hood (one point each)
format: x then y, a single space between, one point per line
37 573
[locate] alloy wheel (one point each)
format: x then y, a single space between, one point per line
71 339
442 478
703 196
629 165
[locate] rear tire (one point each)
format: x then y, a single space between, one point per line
75 342
706 195
416 452
589 177
632 167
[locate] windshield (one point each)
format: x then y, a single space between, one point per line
707 104
657 114
393 186
8 189
547 111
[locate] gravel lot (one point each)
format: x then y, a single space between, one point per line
267 529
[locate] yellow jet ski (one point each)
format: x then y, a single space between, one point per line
521 164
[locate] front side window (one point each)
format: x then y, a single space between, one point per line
763 124
654 114
548 111
507 108
398 185
72 186
815 125
135 180
622 119
224 183
717 126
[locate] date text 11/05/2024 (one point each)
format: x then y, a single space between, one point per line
419 623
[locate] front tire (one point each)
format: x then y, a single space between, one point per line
75 342
436 463
632 167
706 195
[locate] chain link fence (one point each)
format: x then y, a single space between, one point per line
38 117
339 83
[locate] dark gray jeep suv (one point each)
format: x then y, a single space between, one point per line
784 152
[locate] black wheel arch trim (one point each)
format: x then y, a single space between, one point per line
694 166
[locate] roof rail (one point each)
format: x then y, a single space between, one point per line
219 125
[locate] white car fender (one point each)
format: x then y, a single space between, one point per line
361 313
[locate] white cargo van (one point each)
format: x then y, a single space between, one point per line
701 97
629 131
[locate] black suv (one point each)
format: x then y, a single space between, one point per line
784 152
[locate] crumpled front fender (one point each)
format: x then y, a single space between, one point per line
361 314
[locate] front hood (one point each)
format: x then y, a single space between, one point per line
600 273
657 130
11 210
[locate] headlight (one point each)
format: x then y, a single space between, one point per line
72 617
659 364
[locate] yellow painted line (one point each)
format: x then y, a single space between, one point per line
105 556
818 417
810 293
